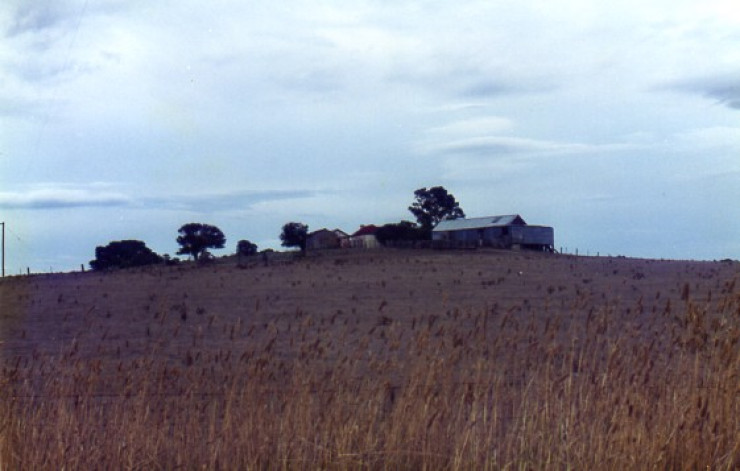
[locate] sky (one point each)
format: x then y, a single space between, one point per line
617 123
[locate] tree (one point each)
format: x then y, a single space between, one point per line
196 238
245 248
434 205
124 254
404 231
294 235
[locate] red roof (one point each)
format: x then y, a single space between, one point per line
370 229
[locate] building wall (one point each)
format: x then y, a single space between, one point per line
500 237
323 240
364 242
533 235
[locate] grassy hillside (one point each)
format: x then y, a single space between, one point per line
475 359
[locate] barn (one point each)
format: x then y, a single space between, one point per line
506 232
325 239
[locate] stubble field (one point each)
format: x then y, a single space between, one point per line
377 359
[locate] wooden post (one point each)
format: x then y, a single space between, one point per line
3 248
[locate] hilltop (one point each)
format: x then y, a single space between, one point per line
125 313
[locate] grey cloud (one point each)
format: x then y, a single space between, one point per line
727 94
223 201
487 87
724 88
37 16
496 145
45 15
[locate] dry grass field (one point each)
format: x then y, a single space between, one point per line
375 359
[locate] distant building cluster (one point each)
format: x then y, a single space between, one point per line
504 232
364 238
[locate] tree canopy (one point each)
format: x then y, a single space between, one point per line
404 231
294 235
195 239
246 248
433 205
123 254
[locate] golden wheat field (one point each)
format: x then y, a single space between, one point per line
385 359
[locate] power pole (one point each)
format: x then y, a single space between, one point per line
3 224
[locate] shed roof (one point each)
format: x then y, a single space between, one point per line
478 223
370 229
337 232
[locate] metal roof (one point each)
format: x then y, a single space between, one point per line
477 223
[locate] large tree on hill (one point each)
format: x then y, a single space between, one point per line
433 205
195 239
124 254
294 235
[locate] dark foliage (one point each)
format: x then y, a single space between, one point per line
246 248
195 239
433 205
124 254
403 231
294 235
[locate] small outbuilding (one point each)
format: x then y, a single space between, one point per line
364 238
326 239
505 232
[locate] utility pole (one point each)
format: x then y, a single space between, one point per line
3 224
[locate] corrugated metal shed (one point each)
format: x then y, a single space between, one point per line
479 223
508 231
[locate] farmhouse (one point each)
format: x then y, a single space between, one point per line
364 238
506 232
326 239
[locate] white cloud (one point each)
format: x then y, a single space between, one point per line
61 197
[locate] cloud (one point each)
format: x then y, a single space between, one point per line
57 198
493 146
723 88
37 16
224 201
64 195
485 87
510 145
473 126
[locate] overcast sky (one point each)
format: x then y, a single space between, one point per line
617 123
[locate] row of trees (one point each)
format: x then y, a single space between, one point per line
430 206
195 240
